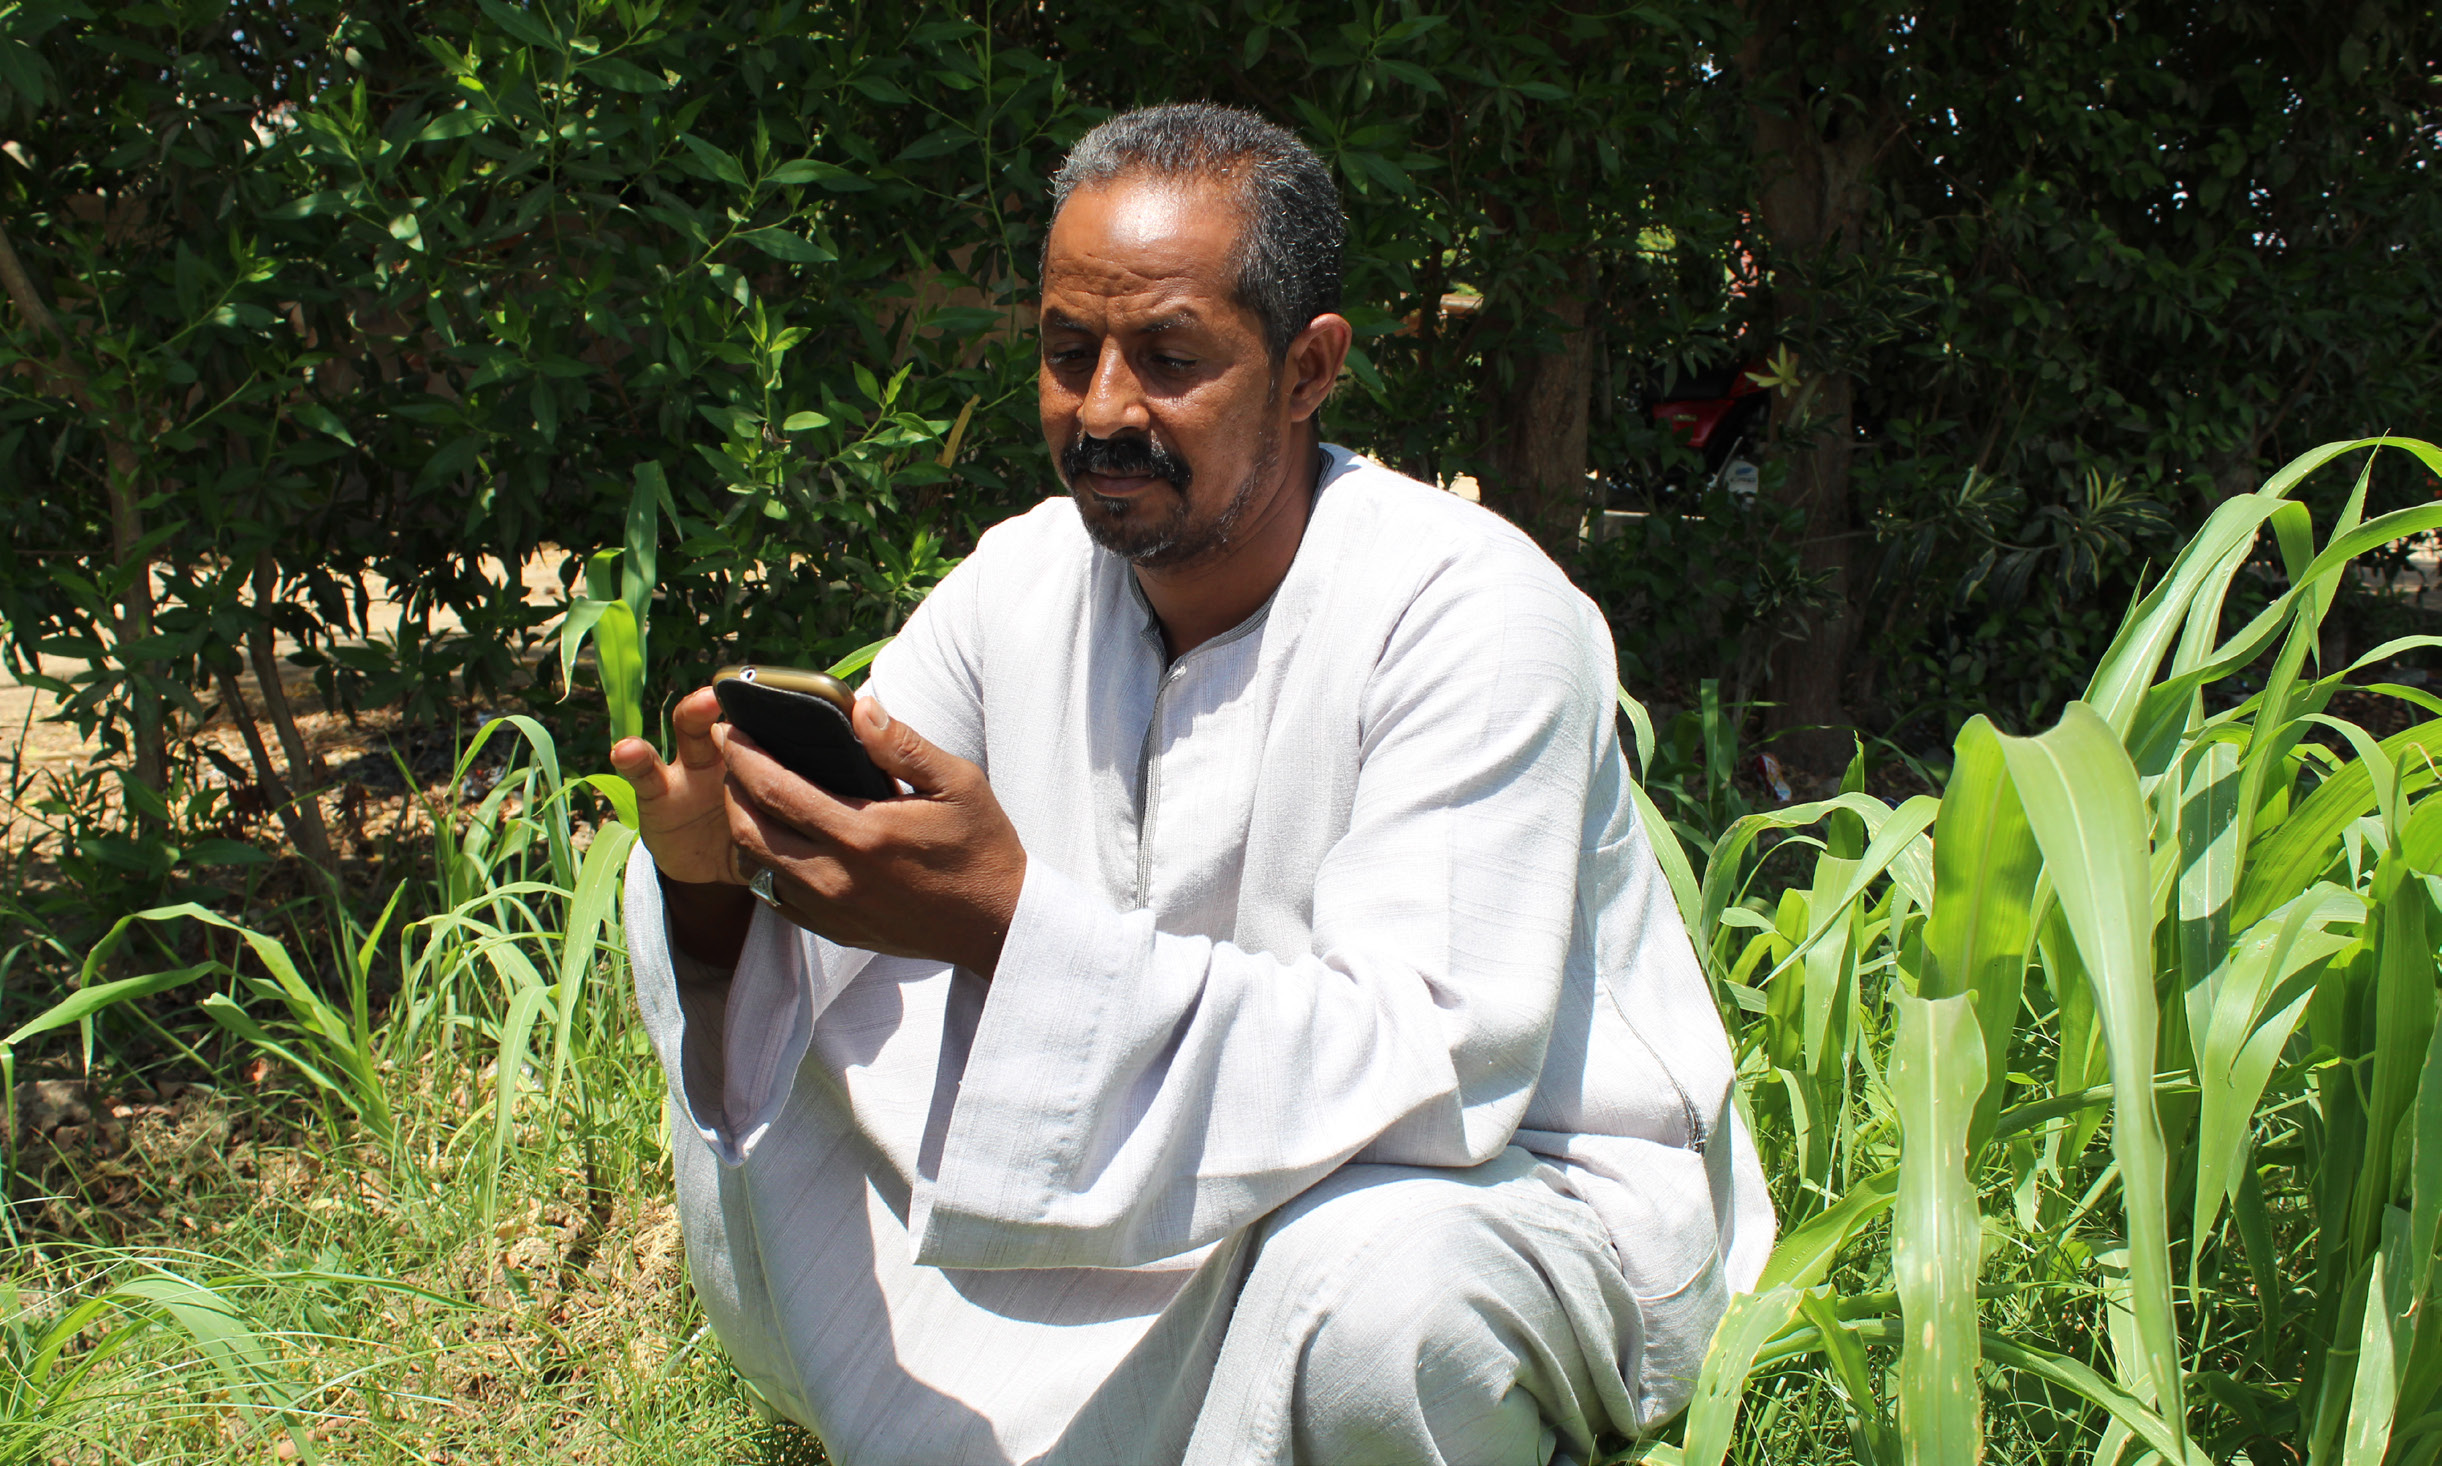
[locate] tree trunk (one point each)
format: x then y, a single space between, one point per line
135 607
298 814
122 470
305 769
1537 437
1814 160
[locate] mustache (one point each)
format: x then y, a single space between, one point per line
1132 455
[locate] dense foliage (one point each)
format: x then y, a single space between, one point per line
304 294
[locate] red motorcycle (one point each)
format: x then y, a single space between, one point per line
1722 413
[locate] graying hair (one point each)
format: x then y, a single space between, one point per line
1288 254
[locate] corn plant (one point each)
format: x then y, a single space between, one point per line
2105 1091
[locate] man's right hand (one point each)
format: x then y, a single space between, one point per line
681 816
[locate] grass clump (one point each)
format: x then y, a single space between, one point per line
384 1190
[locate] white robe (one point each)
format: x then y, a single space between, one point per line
1358 880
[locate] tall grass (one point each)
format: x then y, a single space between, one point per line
2102 1095
458 1245
2106 1090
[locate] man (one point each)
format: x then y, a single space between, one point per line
1262 1033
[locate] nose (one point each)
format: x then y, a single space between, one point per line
1114 398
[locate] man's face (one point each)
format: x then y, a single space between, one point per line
1161 405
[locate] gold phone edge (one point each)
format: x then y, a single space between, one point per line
793 679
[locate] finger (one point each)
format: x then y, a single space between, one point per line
636 762
796 801
692 722
899 750
763 839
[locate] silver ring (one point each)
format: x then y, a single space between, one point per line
761 885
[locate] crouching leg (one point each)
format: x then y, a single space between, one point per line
1398 1314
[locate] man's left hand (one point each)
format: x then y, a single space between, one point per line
932 874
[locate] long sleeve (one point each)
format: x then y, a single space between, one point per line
733 1042
1132 1094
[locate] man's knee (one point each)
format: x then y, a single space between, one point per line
1421 1311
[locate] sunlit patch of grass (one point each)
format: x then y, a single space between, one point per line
403 1329
432 1187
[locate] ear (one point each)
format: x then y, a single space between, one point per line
1313 364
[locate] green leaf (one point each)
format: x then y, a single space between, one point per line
620 793
2289 857
720 163
322 420
830 175
2382 1350
223 1010
1846 1352
1982 924
2079 1379
454 458
328 201
782 245
1937 1080
620 662
589 905
1893 831
516 1032
1414 75
518 22
2240 1041
800 422
640 548
2425 1188
1750 1321
87 1001
625 76
881 89
459 122
858 660
575 626
1805 1253
2128 665
2080 794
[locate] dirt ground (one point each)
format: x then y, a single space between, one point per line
33 749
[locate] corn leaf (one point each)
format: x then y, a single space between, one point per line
1937 1076
2080 793
1805 1253
1982 926
1750 1320
2241 1040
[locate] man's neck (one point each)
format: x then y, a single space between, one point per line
1195 603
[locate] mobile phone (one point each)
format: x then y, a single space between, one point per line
800 718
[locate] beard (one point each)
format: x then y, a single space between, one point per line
1156 529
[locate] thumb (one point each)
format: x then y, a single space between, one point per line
636 762
899 750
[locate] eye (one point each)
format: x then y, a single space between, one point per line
1172 362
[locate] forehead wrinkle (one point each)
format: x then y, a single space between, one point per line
1154 305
